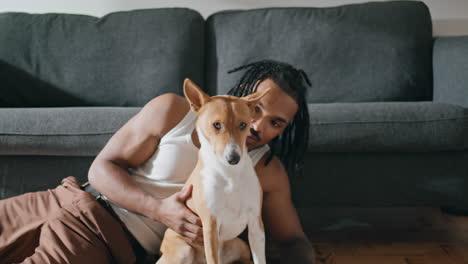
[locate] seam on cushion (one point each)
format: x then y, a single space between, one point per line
83 134
392 121
312 123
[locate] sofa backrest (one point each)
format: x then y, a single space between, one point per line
122 59
450 62
379 51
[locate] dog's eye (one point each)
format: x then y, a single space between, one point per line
217 125
242 125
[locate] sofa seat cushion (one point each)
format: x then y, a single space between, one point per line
70 131
390 126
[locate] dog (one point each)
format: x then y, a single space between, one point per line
227 195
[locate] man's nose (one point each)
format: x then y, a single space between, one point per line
258 125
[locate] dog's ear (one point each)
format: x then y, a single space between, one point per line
194 95
254 99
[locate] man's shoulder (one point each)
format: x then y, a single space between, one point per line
272 175
166 111
274 164
168 102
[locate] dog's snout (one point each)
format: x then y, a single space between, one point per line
233 158
232 153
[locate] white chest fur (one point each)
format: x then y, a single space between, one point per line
233 197
232 193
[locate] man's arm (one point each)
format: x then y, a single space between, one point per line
280 216
130 146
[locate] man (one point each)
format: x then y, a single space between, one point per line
140 172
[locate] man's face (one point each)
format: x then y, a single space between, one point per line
271 116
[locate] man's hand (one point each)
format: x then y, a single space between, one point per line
174 213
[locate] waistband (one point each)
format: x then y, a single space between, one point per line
139 251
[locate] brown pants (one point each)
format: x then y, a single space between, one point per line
63 225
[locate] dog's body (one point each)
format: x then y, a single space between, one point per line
226 194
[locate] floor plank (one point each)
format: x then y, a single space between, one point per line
458 253
370 260
430 260
396 236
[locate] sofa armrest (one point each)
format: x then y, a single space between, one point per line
450 64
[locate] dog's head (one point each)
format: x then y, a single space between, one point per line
223 120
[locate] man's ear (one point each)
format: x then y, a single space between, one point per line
194 95
254 99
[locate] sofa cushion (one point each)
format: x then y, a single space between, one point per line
121 59
387 127
352 53
450 70
335 127
385 179
22 174
73 131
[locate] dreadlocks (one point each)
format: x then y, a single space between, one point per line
291 145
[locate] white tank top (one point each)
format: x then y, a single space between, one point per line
164 174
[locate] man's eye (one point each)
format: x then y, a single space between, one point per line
275 124
257 109
217 125
242 125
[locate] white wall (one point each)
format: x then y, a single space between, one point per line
450 16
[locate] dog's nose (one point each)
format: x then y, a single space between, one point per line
233 159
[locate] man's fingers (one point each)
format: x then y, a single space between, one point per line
189 235
192 218
193 238
193 233
194 229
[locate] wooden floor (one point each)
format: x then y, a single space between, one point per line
387 236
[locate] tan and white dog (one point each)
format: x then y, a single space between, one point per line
227 195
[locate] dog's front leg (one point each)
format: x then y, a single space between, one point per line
211 240
257 240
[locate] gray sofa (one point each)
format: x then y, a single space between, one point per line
388 120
